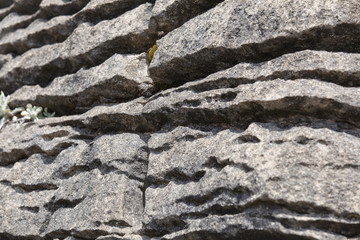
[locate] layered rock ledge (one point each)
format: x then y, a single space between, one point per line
245 123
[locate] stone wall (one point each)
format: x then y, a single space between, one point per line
245 125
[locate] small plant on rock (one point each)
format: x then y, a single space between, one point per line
32 113
35 113
6 114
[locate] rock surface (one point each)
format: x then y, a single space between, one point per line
4 59
53 8
87 46
119 78
244 125
168 15
14 21
263 173
238 31
43 32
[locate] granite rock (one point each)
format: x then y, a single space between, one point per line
37 34
125 34
168 15
26 6
336 67
227 179
14 21
244 125
4 59
248 31
33 139
75 181
5 11
261 101
43 32
51 8
119 78
76 209
97 10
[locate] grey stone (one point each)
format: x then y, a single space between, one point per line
119 78
54 152
26 6
21 211
51 8
228 228
266 148
239 106
340 68
20 14
81 182
5 11
243 31
110 203
42 32
97 10
14 21
37 34
87 205
38 171
123 153
126 153
70 238
33 139
125 237
125 34
4 59
261 101
168 15
124 117
237 178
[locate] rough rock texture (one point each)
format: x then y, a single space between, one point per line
26 6
14 21
238 31
42 32
168 15
37 34
4 59
87 46
220 178
244 125
119 78
60 7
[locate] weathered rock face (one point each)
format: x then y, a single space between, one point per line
245 125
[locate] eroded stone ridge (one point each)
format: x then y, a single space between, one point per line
119 78
241 31
244 125
87 46
49 29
